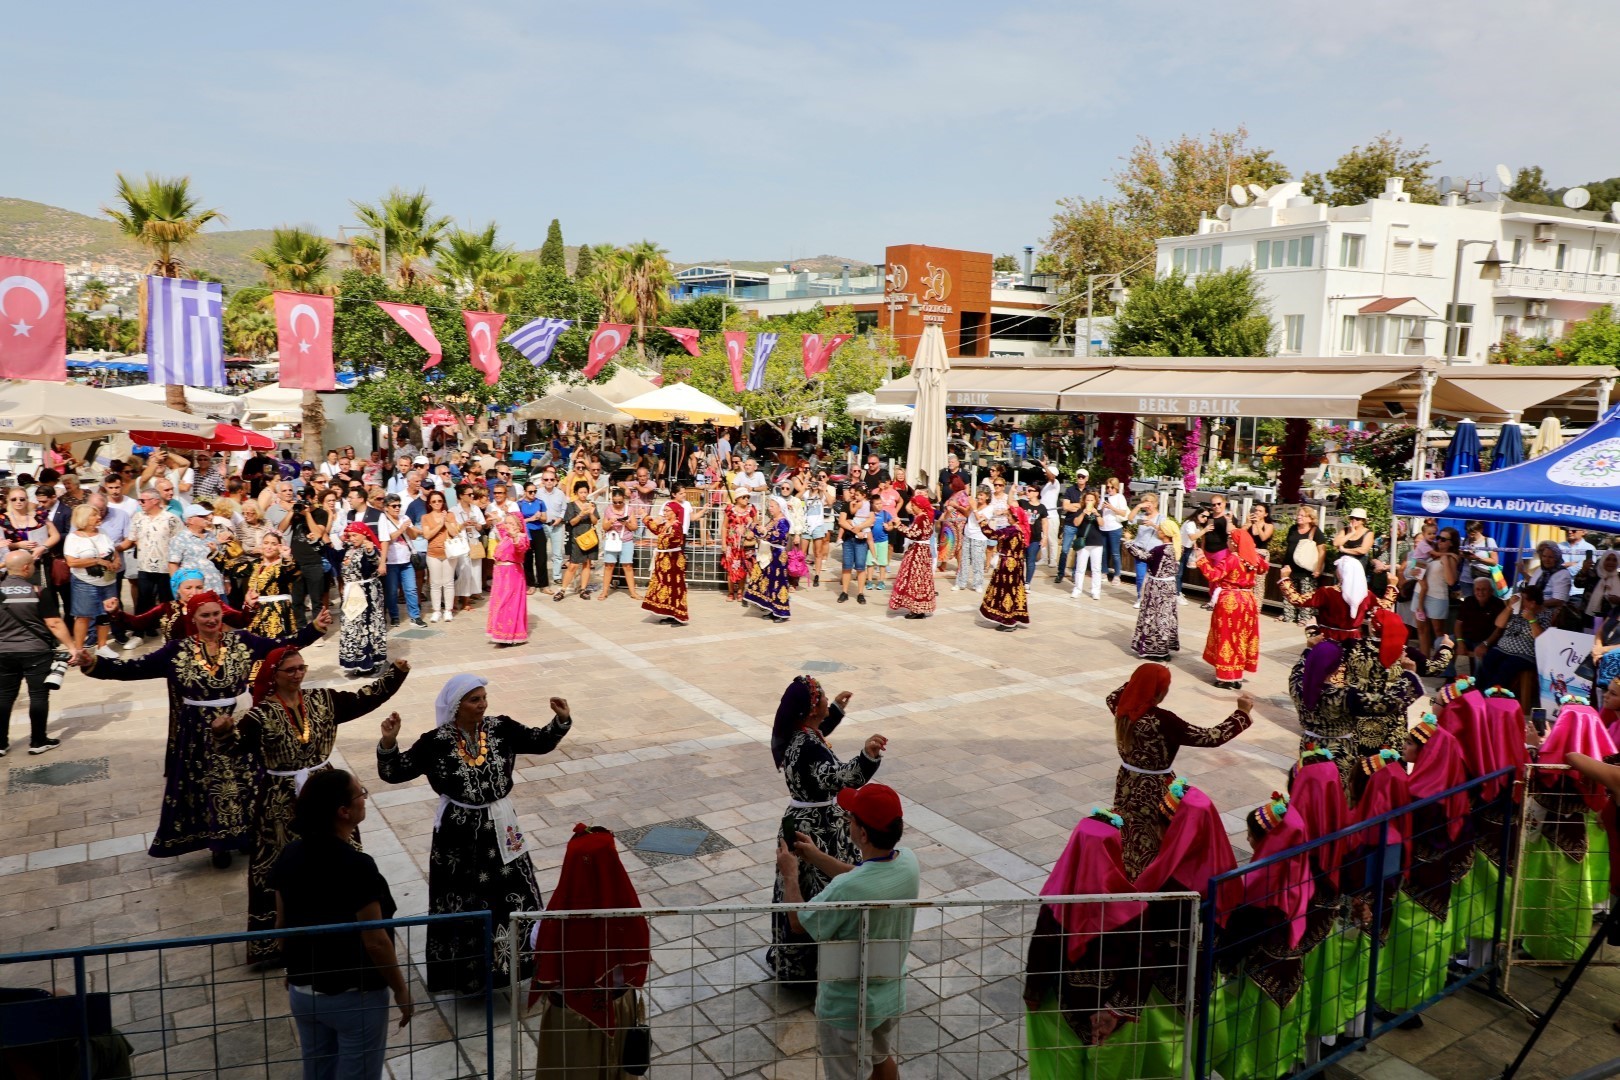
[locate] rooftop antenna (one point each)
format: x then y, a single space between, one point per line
1240 195
1504 176
1223 212
1447 185
1577 197
1257 191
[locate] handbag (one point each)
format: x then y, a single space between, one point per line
59 571
491 543
1306 554
587 540
612 542
457 547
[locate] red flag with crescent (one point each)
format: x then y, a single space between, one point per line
483 331
304 336
812 355
33 320
685 335
736 348
609 338
413 319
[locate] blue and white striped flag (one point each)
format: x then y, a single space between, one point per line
185 332
763 345
536 339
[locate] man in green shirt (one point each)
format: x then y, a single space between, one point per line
884 872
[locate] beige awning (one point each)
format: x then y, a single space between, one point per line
1307 394
1506 397
1034 389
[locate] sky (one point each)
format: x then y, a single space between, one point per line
773 130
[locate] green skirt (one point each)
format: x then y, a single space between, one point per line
1336 972
1412 962
1557 895
1162 1039
1256 1040
1473 904
1056 1052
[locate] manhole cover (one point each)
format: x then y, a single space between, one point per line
826 665
417 633
669 841
59 774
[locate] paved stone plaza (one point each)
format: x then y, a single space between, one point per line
998 744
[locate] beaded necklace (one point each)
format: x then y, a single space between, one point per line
483 747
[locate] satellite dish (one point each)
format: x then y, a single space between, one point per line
1504 175
1614 212
1577 197
1240 195
1223 212
1257 191
1447 185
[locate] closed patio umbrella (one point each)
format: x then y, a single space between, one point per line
1462 458
925 455
1510 536
1550 436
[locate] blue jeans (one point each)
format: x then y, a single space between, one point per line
1111 562
1141 576
401 574
1032 556
556 548
1071 537
343 1036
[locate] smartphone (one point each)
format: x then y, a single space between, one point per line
1538 717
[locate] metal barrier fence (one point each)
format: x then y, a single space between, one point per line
1402 911
1561 879
985 990
194 1006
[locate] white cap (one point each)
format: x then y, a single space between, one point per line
421 459
1359 512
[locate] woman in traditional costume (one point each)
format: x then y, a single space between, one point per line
1006 598
1233 646
480 859
666 590
914 589
1566 861
737 547
1158 626
508 620
269 588
289 734
767 587
1341 608
363 641
815 776
1261 1035
208 789
168 620
953 516
1081 975
1335 951
588 971
1375 858
1148 738
1316 686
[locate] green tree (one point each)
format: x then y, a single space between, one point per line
252 332
552 253
1593 340
94 294
477 267
162 215
642 292
1005 264
1360 172
584 263
1160 191
1517 349
1530 186
295 260
411 232
1217 315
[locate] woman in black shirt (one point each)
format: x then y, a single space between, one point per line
1304 550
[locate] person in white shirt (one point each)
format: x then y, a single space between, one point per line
1112 510
1190 530
751 477
330 468
1576 550
1051 526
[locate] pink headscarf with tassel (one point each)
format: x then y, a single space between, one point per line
1093 863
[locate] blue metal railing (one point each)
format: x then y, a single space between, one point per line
81 959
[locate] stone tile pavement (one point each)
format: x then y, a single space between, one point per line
998 744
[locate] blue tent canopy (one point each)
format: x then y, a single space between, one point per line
1576 485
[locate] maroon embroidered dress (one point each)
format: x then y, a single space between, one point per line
914 589
1006 602
666 592
1233 646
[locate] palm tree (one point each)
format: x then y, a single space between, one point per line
252 332
297 260
477 266
411 234
604 274
161 215
94 294
645 277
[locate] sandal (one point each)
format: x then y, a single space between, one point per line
558 595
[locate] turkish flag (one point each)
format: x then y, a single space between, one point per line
736 348
413 318
685 335
812 355
609 338
483 331
304 336
830 347
33 320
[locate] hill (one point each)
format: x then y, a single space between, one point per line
37 231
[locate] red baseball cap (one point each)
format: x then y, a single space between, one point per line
875 806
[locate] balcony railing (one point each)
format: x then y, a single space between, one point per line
1522 278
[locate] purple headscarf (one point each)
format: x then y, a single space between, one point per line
1320 662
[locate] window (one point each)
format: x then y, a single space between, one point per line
1178 259
1350 250
1274 254
1293 332
1262 254
1407 335
1563 253
1203 260
1372 337
1400 257
1462 313
1425 259
1518 253
1457 338
972 328
1347 334
1597 259
1199 260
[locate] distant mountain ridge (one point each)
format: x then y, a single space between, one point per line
36 230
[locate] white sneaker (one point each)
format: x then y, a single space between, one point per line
449 616
106 653
1096 596
1075 595
134 642
1136 604
433 617
1181 602
956 588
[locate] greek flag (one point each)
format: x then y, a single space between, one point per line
763 345
185 328
536 339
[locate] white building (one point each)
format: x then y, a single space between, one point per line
1379 278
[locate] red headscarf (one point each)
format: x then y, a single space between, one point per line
1285 884
680 512
922 501
364 530
1194 850
1093 863
1440 765
1241 544
264 680
207 596
588 959
1388 788
1147 684
1392 635
1504 728
1317 796
1020 518
1465 716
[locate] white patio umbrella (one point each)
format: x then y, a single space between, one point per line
207 401
681 403
270 405
925 456
624 385
33 411
576 404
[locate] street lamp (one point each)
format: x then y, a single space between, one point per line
1490 269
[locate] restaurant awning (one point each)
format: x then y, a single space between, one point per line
1184 392
1013 389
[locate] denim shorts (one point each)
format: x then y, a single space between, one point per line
625 556
85 599
816 532
855 555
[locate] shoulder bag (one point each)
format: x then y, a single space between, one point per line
1306 554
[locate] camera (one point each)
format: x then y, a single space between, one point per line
300 506
59 666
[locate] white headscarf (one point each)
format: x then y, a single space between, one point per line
450 695
1352 582
781 504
